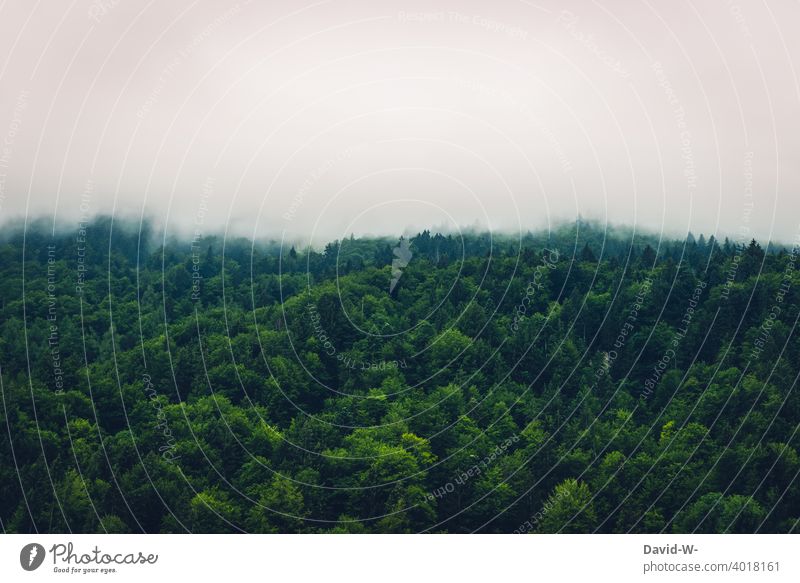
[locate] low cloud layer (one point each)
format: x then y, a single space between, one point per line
323 119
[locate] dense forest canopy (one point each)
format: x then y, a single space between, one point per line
576 380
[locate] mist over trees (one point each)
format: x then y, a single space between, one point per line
577 380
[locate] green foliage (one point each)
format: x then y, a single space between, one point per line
494 385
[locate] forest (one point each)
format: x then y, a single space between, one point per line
576 380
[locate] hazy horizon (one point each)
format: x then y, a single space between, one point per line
179 233
317 121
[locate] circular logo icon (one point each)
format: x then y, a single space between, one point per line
31 556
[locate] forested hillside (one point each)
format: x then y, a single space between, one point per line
572 381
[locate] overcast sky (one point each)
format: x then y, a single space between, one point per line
335 117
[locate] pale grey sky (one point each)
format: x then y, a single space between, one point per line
331 117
